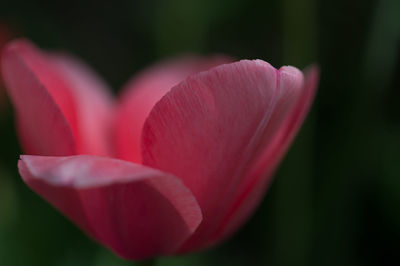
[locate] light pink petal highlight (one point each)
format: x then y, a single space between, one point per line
141 94
43 105
134 210
206 131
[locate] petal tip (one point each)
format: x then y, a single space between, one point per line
313 70
260 63
23 157
290 70
312 76
16 46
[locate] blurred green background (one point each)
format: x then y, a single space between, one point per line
336 196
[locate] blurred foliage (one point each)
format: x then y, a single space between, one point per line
336 197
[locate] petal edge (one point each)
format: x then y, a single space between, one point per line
137 211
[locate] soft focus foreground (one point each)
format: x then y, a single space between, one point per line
206 151
335 198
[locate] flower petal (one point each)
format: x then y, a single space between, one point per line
42 102
206 131
273 149
141 94
80 97
136 211
93 104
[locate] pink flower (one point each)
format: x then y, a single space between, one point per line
161 171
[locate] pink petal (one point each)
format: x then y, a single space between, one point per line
83 108
42 102
136 211
259 176
93 105
207 129
143 91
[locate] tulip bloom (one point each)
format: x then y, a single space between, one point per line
177 164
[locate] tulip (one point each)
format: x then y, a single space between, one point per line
177 164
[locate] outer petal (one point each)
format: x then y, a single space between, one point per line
59 102
141 94
135 210
207 130
273 149
43 105
93 104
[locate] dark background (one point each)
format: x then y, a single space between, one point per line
336 196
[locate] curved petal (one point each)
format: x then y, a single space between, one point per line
206 131
78 98
141 94
136 211
93 104
273 148
42 102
